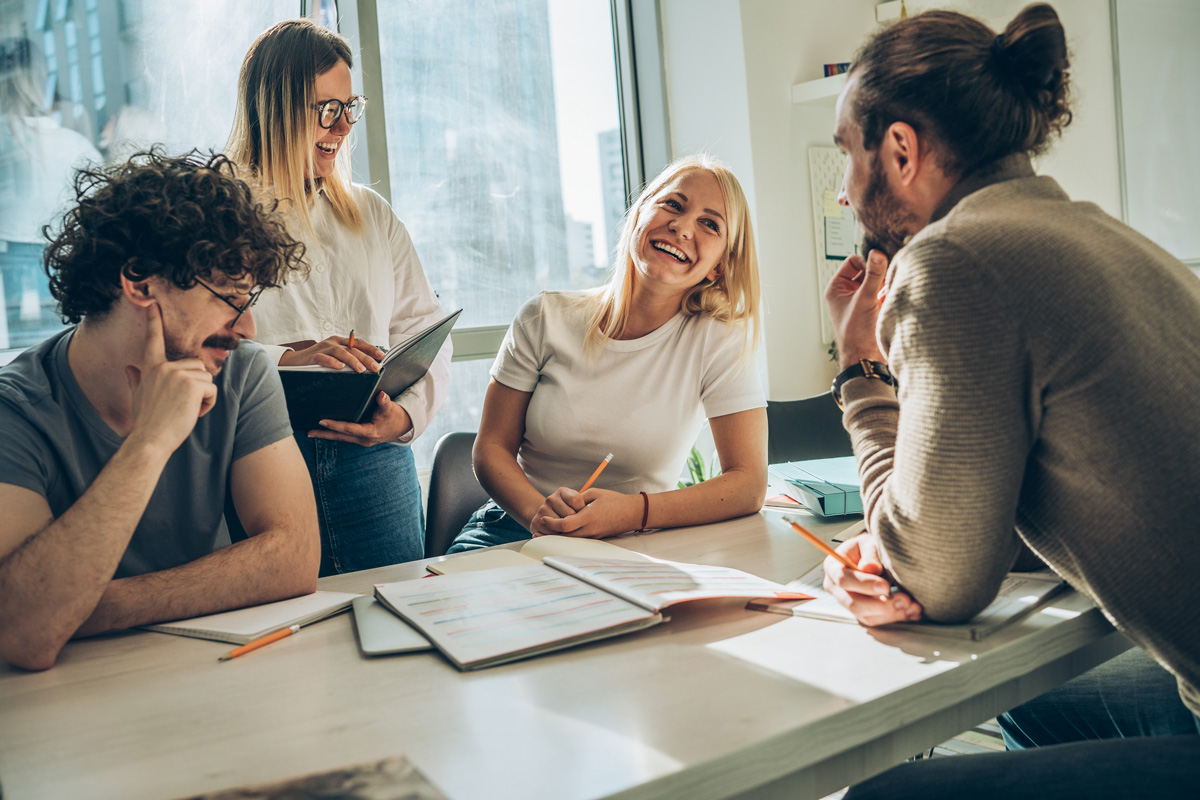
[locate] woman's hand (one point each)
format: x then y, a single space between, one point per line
864 590
335 352
594 514
389 422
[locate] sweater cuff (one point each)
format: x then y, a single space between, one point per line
274 352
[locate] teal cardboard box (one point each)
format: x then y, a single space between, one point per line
829 487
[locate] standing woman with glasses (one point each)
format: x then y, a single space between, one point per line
295 110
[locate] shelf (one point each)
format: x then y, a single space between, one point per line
821 92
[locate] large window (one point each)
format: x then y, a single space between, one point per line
504 154
89 81
503 157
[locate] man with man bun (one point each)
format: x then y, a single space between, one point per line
1025 369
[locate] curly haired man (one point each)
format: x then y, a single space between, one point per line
121 436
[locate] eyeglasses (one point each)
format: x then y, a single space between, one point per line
331 111
242 309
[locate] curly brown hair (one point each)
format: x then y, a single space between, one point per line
982 96
178 217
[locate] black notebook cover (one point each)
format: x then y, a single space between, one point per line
314 395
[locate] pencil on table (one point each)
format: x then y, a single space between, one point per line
257 643
596 474
820 543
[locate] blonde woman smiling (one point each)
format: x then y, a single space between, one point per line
296 106
633 368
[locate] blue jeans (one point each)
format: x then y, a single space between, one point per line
1117 731
488 526
368 504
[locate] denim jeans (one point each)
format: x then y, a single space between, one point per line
1117 731
488 526
368 504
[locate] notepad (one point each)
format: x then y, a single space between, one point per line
247 624
314 393
1020 594
486 617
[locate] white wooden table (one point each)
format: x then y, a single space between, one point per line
718 702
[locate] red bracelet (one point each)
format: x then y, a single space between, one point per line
645 511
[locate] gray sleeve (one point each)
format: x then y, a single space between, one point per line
262 410
25 456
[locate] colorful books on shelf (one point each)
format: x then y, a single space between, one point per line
315 393
248 624
483 617
1020 594
829 487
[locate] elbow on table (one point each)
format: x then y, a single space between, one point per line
33 653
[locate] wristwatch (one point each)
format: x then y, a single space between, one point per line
863 369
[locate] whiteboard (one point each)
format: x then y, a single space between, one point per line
1156 59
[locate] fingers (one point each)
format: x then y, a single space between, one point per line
208 400
566 501
155 351
876 269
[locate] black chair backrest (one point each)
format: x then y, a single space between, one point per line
454 494
798 430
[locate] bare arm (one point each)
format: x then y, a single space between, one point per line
272 493
54 571
741 441
495 453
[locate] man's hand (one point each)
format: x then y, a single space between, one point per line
335 352
854 296
389 422
594 514
168 396
865 591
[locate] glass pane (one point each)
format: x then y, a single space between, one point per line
151 72
462 411
500 123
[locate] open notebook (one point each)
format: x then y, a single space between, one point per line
1020 594
247 624
484 617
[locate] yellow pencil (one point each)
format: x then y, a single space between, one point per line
257 643
596 474
818 542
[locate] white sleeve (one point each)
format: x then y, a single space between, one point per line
519 363
414 308
731 381
274 351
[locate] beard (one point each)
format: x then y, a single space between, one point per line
176 352
882 215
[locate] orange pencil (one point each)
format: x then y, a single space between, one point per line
819 543
596 474
351 344
257 643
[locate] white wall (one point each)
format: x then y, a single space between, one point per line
730 66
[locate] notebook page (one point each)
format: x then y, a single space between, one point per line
477 616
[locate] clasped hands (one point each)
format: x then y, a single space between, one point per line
865 591
389 421
594 514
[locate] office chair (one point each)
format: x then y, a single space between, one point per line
454 494
798 430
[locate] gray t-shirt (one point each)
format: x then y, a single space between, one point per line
53 442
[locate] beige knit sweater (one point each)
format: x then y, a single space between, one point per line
1048 360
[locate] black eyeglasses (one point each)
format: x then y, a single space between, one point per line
331 111
242 309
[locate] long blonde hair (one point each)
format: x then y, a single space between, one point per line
733 297
272 136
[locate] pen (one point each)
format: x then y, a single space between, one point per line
351 344
257 643
596 474
818 542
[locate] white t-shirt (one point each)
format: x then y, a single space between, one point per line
37 167
643 400
369 282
